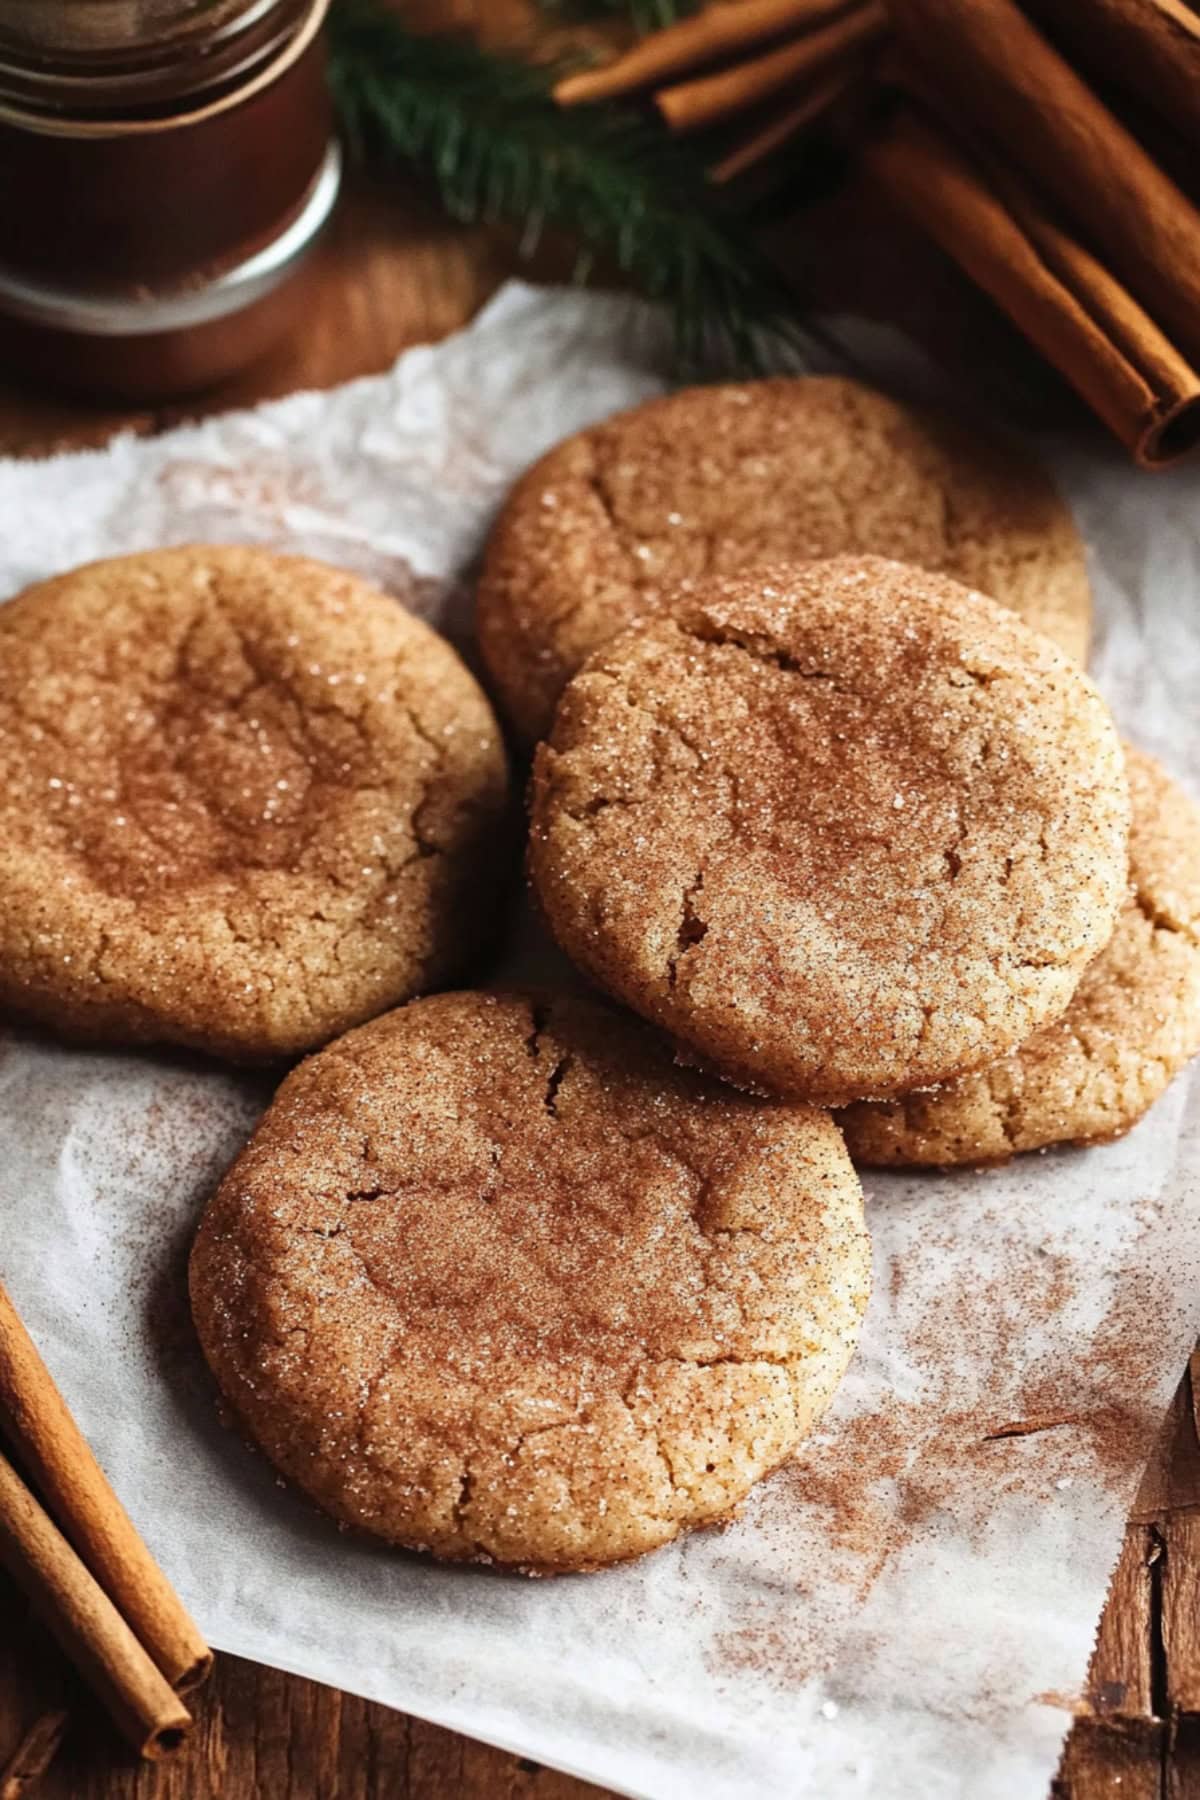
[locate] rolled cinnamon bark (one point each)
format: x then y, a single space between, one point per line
694 104
1149 49
55 1454
690 43
1053 289
86 1624
1002 76
784 126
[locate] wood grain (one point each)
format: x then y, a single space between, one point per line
391 274
37 1695
1121 1680
1138 1735
260 1735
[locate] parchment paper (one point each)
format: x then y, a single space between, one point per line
908 1610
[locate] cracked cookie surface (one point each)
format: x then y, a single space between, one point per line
1133 1024
713 480
495 1279
246 801
843 829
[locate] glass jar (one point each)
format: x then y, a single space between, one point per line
167 165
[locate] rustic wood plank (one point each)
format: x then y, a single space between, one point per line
1171 1482
1180 1622
1122 1676
36 1697
1181 1770
1112 1759
262 1735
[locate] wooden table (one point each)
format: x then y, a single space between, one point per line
394 273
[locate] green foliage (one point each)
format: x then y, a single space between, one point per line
498 147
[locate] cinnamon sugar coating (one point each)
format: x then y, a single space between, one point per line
494 1279
713 480
1132 1025
843 829
246 801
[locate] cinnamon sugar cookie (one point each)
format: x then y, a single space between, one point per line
843 829
245 801
494 1279
1132 1025
714 480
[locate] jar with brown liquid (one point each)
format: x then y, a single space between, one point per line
166 166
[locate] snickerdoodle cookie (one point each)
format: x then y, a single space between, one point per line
714 480
494 1279
246 801
1132 1025
844 829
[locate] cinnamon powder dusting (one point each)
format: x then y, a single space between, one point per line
1020 1400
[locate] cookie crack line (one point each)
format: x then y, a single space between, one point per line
260 681
260 801
467 1405
540 1018
554 1082
648 1431
639 1353
596 483
762 650
692 929
946 828
1161 920
264 680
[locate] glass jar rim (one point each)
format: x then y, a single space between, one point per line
112 59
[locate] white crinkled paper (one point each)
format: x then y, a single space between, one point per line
910 1607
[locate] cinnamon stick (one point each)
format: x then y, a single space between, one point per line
1054 290
86 1624
694 104
690 43
999 72
784 126
54 1452
1146 48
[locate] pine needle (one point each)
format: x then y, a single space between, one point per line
498 148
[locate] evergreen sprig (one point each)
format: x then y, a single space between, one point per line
498 147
